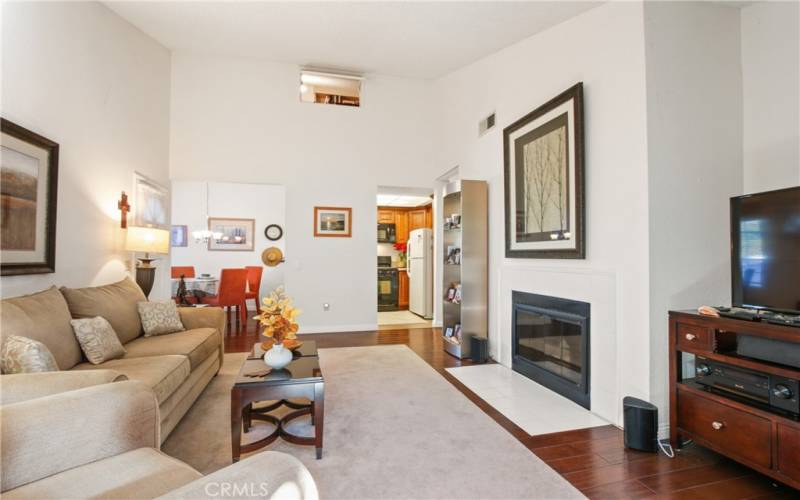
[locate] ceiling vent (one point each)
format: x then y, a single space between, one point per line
486 124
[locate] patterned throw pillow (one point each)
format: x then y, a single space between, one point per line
24 355
98 339
159 318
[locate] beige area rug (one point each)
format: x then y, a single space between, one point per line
394 428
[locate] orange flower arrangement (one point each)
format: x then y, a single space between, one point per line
278 316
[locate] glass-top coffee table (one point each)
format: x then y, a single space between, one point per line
309 348
301 379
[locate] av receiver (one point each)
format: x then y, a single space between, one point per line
777 392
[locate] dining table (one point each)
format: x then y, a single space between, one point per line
206 284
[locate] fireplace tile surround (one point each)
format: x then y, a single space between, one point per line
608 380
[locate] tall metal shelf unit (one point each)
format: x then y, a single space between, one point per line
465 250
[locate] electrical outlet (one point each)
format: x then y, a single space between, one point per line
326 307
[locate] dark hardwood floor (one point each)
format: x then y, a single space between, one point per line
594 460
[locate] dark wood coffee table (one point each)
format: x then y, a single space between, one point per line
302 378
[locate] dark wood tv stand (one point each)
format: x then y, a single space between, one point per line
767 441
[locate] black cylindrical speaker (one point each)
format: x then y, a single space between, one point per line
641 424
479 349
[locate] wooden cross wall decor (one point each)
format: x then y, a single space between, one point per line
124 208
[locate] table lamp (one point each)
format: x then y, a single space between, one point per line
147 240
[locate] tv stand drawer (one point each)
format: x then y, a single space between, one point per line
727 429
694 337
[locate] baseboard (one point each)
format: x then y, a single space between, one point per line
366 327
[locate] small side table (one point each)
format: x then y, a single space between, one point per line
302 378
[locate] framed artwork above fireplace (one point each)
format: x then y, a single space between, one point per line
544 180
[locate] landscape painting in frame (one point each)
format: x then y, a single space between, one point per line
236 234
333 222
150 203
28 195
544 180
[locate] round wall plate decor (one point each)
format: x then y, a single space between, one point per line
273 232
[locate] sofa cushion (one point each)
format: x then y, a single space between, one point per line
160 318
115 302
196 344
24 355
98 339
164 374
44 317
140 473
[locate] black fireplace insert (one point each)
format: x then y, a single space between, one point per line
551 343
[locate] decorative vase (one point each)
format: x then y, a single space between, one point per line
278 357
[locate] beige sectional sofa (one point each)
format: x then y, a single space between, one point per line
177 366
101 441
94 431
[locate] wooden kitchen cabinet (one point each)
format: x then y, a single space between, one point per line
401 225
402 289
406 220
386 216
416 219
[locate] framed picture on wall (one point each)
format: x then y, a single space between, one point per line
179 236
544 180
237 235
150 203
28 197
333 222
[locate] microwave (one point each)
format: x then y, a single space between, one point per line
386 233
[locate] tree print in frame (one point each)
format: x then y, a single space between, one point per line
544 180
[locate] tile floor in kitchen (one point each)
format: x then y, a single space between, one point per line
402 318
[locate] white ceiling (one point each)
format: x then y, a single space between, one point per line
408 39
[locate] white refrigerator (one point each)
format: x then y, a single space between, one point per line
420 272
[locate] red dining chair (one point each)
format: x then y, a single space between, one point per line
186 271
232 283
254 285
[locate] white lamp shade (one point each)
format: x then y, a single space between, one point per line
147 239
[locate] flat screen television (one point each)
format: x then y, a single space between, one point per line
765 250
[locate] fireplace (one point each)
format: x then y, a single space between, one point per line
551 343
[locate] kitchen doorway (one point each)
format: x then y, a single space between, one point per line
404 257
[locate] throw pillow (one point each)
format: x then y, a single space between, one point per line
24 355
159 318
98 339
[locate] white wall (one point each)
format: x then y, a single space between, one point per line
770 45
694 140
240 120
604 48
79 75
265 203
